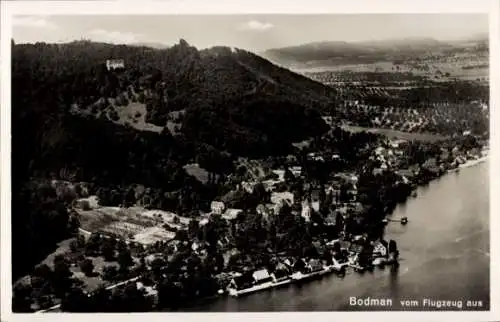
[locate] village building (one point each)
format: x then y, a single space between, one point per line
151 258
217 207
261 276
282 272
149 290
203 221
249 279
280 174
331 219
380 249
279 197
231 213
92 202
247 186
306 211
199 247
296 171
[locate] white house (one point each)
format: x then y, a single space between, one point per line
280 174
248 186
261 276
306 211
278 197
296 170
114 64
217 207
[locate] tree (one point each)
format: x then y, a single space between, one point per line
393 247
219 262
130 299
93 244
73 223
75 301
45 301
157 265
260 193
62 275
87 267
121 245
73 246
322 195
289 177
125 260
43 271
181 235
339 222
108 249
130 197
109 273
328 257
337 249
21 298
100 300
193 228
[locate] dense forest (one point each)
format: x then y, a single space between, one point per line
235 103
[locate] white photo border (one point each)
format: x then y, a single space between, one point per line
144 7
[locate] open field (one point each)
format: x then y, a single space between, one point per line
196 171
134 223
433 69
91 283
393 134
134 114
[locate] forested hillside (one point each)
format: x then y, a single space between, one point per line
234 103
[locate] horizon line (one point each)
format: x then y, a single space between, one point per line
167 45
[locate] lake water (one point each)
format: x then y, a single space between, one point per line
444 256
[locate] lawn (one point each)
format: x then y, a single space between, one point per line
134 114
93 220
196 171
91 283
394 134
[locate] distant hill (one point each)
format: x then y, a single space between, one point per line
357 52
155 45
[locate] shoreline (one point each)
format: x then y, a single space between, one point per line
328 270
308 276
470 163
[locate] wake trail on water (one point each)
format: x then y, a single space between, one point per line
469 235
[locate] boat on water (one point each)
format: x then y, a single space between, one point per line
379 261
393 257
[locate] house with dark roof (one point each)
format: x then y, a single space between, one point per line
299 265
282 272
242 281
